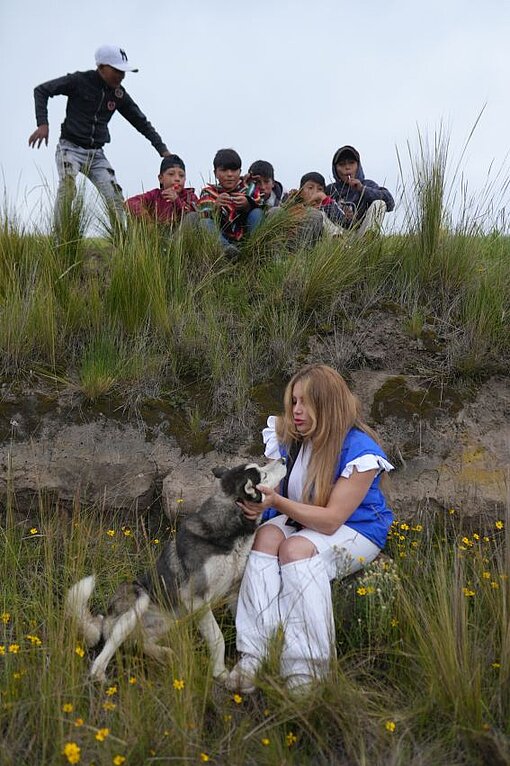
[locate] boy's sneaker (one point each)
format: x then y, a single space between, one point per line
231 252
242 676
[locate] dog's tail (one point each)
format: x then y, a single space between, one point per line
77 607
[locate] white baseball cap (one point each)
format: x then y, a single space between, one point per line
115 57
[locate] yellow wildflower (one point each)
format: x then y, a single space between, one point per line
128 532
361 591
34 640
111 691
204 757
499 525
496 665
155 541
109 705
80 651
237 699
178 684
13 648
2 650
468 592
451 511
486 575
67 707
111 533
394 622
180 500
132 680
5 617
290 739
34 531
390 726
72 752
101 734
118 760
495 585
78 722
265 741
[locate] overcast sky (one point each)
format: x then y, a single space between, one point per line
287 81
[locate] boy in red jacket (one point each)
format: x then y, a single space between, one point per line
172 201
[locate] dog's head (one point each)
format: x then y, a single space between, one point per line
240 482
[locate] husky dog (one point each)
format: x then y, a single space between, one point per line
203 564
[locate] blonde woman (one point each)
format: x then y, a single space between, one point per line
328 519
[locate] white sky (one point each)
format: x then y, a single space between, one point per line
287 81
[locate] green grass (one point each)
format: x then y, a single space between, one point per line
422 673
81 309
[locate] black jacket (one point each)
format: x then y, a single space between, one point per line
90 106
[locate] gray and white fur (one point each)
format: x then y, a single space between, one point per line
202 565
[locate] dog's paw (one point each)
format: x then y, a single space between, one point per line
97 672
221 676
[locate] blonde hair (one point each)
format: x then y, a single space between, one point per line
333 410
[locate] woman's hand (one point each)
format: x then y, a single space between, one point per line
269 499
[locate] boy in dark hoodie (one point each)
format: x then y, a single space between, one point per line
363 202
172 201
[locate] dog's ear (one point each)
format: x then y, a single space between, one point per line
220 471
251 490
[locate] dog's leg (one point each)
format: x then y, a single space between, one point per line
122 628
159 653
77 606
213 637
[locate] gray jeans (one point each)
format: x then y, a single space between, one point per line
71 160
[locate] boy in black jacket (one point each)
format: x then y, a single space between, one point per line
92 98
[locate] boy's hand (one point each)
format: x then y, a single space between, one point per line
169 194
240 200
317 198
355 183
39 135
223 199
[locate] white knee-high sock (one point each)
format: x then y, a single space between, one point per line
257 608
307 615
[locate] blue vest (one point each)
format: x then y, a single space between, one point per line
372 518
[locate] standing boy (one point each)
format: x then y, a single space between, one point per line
231 207
92 98
364 202
172 201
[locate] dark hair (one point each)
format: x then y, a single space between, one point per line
262 168
227 159
172 161
317 178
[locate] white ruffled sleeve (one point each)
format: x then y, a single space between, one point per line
271 448
367 463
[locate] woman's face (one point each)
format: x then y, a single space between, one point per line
300 413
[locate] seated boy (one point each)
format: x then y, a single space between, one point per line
363 202
312 192
261 173
172 201
231 207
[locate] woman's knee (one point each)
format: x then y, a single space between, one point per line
296 548
268 539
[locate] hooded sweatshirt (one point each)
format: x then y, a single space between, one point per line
345 195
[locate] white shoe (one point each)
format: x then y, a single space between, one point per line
242 676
